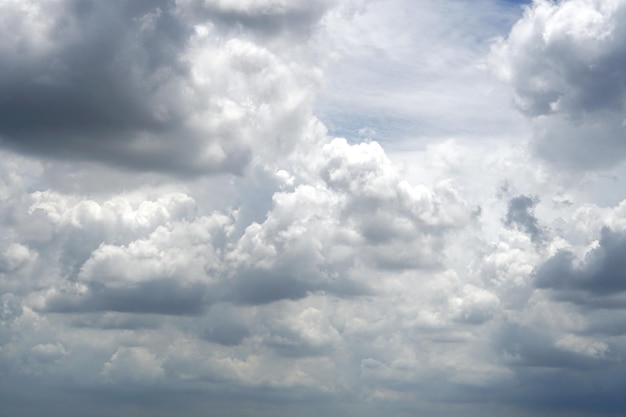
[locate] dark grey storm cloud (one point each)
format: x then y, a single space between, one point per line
601 273
258 286
96 73
128 83
535 348
520 214
84 85
262 286
158 296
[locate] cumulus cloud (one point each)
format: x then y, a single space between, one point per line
563 60
332 275
361 213
344 226
135 364
149 85
600 274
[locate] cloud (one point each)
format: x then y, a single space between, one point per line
156 296
362 212
563 61
405 72
341 228
140 86
520 215
315 274
530 348
555 374
226 331
132 363
320 275
276 21
136 254
598 275
116 320
309 333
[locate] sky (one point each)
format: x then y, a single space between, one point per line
405 208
